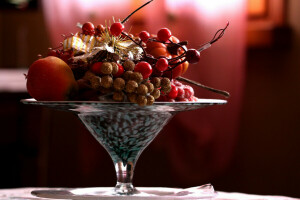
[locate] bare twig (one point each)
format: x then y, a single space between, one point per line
224 93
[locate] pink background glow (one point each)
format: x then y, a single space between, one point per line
201 140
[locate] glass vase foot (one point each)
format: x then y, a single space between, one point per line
201 192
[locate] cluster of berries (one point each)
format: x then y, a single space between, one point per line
146 72
124 82
179 92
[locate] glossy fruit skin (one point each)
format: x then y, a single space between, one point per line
162 64
173 93
193 56
96 68
144 68
177 70
144 36
88 28
120 71
116 28
100 29
164 34
157 50
51 79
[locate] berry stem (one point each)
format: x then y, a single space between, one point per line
124 20
221 92
180 44
218 35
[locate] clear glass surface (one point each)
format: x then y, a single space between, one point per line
124 130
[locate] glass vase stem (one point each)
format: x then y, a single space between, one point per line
124 173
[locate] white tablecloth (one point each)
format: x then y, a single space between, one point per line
25 193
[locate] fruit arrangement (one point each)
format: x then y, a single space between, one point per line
104 63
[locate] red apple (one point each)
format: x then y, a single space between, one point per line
51 79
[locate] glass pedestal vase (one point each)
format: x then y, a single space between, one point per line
125 130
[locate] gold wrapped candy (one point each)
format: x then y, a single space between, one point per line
79 43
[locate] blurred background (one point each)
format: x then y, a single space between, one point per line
249 145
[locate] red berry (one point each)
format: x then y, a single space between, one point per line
173 92
116 28
164 34
144 68
192 56
120 71
100 29
144 36
66 56
96 68
52 53
162 64
189 91
88 28
181 93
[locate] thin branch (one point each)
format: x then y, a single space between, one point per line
224 93
124 20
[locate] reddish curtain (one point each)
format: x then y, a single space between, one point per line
197 144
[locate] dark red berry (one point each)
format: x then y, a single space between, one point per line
144 68
162 64
173 92
66 55
164 34
96 68
192 56
120 71
99 30
52 53
116 28
88 28
144 36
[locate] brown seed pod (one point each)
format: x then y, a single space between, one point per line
118 96
131 86
129 65
106 68
115 68
166 89
95 82
156 93
156 82
150 87
136 76
141 100
132 97
165 82
142 89
106 81
127 75
119 84
150 100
